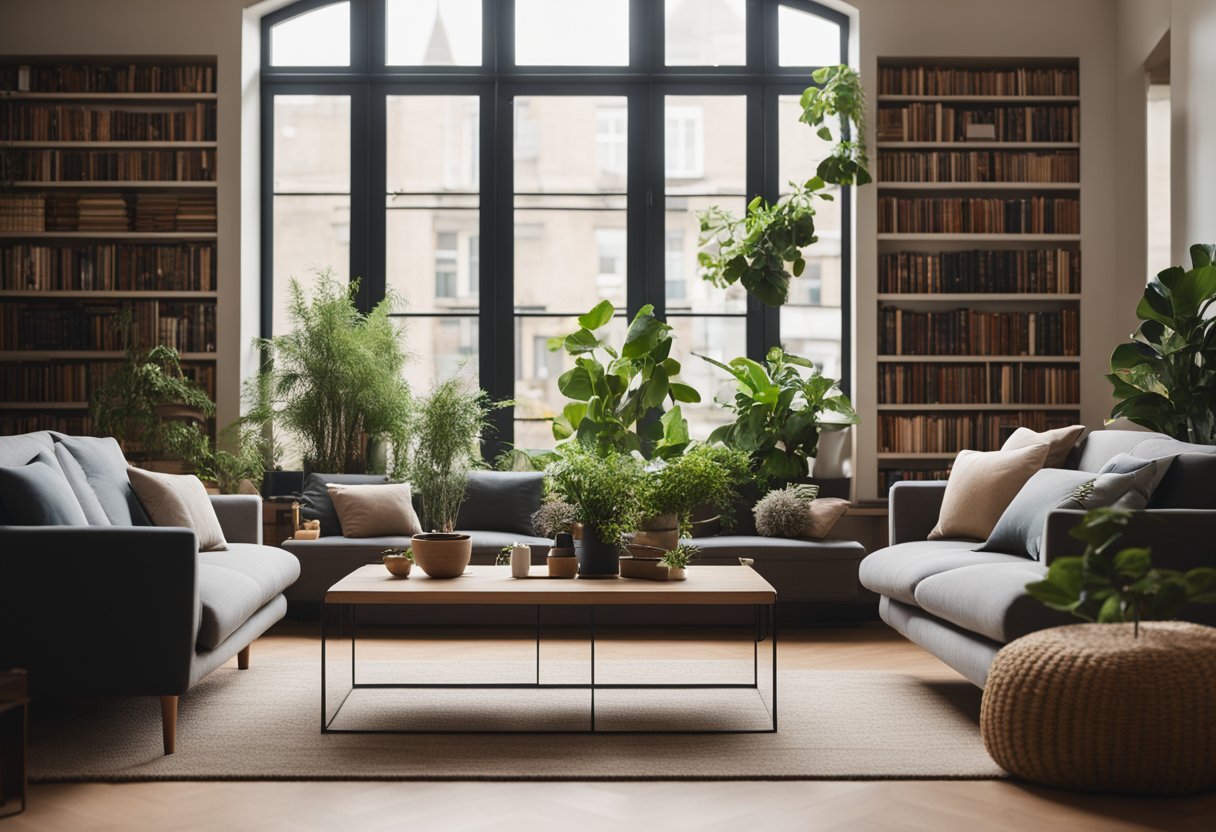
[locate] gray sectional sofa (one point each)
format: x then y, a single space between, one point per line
124 608
963 605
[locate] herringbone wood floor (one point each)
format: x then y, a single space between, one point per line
770 806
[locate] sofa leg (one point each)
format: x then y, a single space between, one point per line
242 658
168 721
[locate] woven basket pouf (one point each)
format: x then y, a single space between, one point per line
1089 707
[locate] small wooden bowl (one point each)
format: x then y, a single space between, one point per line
398 565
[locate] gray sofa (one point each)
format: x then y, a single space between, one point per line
123 608
963 605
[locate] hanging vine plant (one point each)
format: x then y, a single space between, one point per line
755 249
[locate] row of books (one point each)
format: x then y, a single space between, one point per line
108 266
926 122
186 326
195 165
63 382
949 80
101 78
979 166
889 476
108 211
1033 271
933 433
979 215
74 123
997 383
972 332
12 424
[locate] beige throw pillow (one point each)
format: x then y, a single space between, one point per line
981 486
823 512
374 510
1059 442
179 500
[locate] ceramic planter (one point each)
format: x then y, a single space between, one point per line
521 560
662 532
397 565
596 559
442 554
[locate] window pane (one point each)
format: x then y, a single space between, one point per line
721 338
320 37
570 144
310 233
432 258
311 143
432 32
433 144
813 332
568 260
706 33
572 32
800 149
441 348
805 39
537 370
706 163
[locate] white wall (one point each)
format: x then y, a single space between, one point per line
1193 124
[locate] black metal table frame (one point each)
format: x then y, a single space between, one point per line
765 627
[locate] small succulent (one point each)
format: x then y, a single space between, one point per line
680 557
398 552
783 512
554 516
504 557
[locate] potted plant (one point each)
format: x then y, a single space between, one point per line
702 478
618 394
1165 378
554 517
447 427
755 249
236 461
398 561
336 378
604 492
678 559
781 407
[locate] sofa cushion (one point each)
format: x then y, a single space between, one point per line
93 511
1147 472
990 599
375 510
897 570
1021 527
755 546
1190 482
105 469
179 500
981 486
20 449
235 584
37 494
1059 441
315 502
1100 446
502 501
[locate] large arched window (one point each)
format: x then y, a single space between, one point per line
503 165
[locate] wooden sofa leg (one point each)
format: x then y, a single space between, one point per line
242 658
168 721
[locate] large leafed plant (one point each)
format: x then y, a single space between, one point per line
618 395
1165 378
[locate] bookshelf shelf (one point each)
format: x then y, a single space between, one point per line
108 96
985 297
138 145
980 186
928 408
886 455
983 99
87 355
120 183
108 235
965 145
116 294
973 359
979 238
44 405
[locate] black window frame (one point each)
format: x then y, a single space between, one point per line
644 82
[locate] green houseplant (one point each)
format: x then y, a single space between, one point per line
755 248
1165 378
706 477
616 393
604 493
336 376
780 412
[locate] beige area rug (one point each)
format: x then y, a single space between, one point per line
264 724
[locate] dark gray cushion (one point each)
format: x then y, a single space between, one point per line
1020 529
38 494
80 487
316 505
1189 483
105 469
20 449
1148 474
501 501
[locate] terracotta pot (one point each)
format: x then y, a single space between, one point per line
442 554
597 559
397 565
662 532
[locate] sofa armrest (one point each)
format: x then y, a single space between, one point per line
914 507
99 611
1180 538
240 516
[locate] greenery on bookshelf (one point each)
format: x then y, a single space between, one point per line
618 393
754 249
337 376
780 408
1110 587
1165 378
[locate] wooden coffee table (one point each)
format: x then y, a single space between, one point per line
706 585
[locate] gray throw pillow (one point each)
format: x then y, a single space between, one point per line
105 470
38 494
80 487
315 502
1020 529
1190 482
1148 474
501 501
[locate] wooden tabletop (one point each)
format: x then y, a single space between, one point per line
494 585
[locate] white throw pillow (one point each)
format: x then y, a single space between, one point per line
982 484
179 500
375 510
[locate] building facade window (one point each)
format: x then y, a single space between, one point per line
502 179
